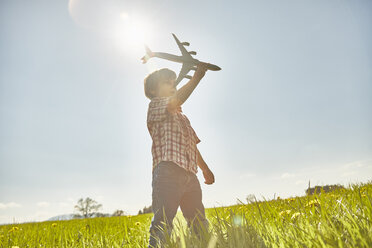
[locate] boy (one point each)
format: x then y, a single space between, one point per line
175 155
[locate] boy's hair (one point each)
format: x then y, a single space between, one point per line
151 82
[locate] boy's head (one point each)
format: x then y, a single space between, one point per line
160 83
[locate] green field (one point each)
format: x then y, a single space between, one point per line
338 219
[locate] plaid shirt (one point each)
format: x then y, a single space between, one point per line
173 138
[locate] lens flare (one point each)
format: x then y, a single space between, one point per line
133 31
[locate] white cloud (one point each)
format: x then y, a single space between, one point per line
287 175
43 204
358 164
356 169
9 205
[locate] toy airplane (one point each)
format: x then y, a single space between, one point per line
188 62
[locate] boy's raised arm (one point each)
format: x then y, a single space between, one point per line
185 91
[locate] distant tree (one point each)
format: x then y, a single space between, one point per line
325 189
87 207
146 210
101 215
118 213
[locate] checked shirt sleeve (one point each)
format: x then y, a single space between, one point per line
196 138
158 109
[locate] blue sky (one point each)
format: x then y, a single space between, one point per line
292 102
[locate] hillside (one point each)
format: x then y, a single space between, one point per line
341 218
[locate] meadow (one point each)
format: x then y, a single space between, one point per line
341 218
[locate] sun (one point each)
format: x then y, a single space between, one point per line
137 31
133 31
129 31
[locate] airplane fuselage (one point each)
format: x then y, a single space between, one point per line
182 59
175 58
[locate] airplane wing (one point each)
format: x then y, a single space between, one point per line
186 67
184 52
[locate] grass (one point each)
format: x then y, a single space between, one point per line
338 219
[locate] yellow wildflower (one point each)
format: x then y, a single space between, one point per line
15 246
285 213
363 189
54 224
14 229
137 224
291 200
295 215
313 203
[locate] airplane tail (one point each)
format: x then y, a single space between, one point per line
148 55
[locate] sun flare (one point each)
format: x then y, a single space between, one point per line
128 31
133 31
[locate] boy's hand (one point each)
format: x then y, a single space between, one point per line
208 176
200 70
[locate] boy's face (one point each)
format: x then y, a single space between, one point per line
166 87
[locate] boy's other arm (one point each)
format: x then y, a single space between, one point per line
207 173
185 91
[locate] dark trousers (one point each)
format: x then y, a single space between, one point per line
173 186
